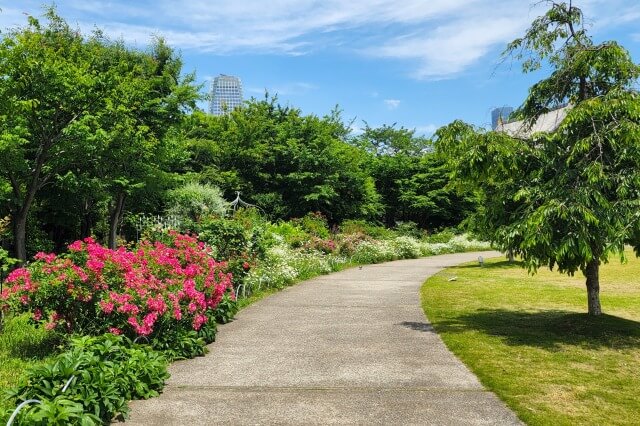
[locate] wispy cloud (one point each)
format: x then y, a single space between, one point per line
392 103
286 89
449 48
436 39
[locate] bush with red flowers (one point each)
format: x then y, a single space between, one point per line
157 288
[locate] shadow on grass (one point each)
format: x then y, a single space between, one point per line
498 265
548 329
19 339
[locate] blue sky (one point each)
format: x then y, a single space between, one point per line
417 63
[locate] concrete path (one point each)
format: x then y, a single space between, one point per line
352 347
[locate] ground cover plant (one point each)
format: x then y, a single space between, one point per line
529 340
91 382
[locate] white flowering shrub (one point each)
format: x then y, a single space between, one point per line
458 243
374 252
406 247
284 265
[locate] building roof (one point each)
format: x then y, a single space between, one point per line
545 123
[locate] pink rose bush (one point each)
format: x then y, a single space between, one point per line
156 287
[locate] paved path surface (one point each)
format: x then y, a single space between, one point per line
352 347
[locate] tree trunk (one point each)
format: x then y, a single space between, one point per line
19 217
592 273
87 221
510 256
19 221
114 219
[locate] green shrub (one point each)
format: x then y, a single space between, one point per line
226 237
409 229
443 236
226 309
100 374
179 343
314 224
291 233
194 202
349 227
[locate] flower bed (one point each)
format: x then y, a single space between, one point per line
155 288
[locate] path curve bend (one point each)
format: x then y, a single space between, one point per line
353 347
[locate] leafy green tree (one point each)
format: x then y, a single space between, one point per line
50 89
146 97
569 198
428 199
82 114
389 140
287 163
411 181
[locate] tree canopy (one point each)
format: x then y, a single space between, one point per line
81 113
287 163
569 198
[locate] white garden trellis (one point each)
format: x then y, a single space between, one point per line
238 202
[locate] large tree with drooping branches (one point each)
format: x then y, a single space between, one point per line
569 198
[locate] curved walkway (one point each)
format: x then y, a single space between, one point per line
350 347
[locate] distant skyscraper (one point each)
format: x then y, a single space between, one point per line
500 114
226 94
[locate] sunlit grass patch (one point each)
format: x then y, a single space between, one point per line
528 339
22 345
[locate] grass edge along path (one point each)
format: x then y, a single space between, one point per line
529 340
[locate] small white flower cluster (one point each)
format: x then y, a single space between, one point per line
284 265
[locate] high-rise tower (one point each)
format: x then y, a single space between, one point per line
500 116
226 94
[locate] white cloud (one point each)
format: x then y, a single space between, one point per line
451 48
286 89
436 39
392 103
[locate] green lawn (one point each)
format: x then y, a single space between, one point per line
529 340
21 345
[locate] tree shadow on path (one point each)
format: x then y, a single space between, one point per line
550 329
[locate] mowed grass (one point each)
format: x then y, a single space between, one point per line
21 345
529 340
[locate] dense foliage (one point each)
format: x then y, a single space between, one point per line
90 383
285 162
411 180
86 117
